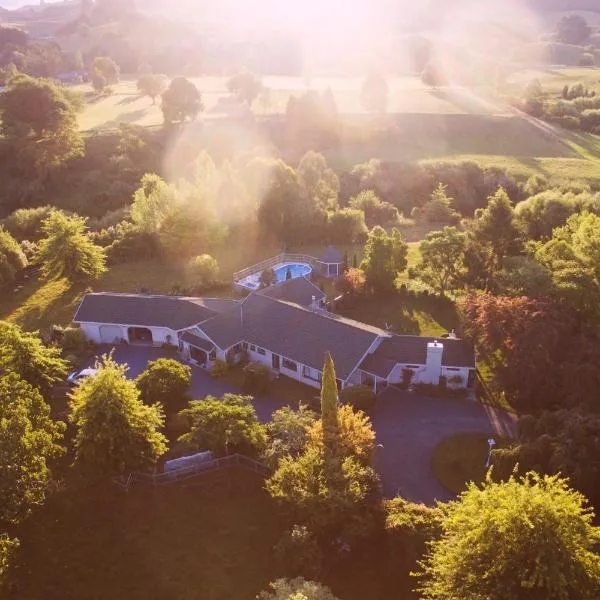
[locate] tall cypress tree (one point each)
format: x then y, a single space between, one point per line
329 400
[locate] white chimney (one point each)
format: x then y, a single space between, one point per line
433 365
452 335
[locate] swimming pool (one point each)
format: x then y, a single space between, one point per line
295 270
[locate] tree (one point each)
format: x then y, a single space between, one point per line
329 407
347 226
530 537
377 212
12 259
40 119
442 260
23 353
572 29
495 232
8 547
12 36
181 101
151 85
374 93
67 251
204 269
106 68
385 257
296 589
99 82
152 202
245 85
116 432
287 433
433 75
439 207
317 180
29 439
267 278
166 382
352 283
224 425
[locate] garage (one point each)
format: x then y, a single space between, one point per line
140 335
109 334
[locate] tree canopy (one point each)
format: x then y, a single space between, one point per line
12 259
23 353
529 537
245 86
152 85
296 589
67 251
224 425
29 439
385 257
116 432
181 101
165 381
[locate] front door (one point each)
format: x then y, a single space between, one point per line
276 362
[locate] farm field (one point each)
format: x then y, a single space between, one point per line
421 124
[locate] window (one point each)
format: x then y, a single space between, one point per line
313 374
253 348
261 351
452 369
289 365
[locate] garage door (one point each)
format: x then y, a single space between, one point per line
110 333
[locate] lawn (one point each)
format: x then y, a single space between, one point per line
211 541
460 459
405 314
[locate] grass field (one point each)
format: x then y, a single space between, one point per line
209 541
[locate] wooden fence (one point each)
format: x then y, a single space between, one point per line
192 472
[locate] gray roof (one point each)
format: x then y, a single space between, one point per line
144 311
304 335
332 255
412 349
197 341
298 291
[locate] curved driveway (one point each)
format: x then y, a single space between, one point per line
409 427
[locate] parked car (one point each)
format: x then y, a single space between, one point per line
78 376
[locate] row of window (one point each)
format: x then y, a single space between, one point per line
258 349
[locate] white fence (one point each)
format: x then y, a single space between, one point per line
315 263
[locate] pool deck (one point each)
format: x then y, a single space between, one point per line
252 282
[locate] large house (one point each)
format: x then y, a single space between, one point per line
285 327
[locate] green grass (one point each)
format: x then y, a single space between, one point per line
461 459
414 315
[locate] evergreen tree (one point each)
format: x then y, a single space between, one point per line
67 251
329 405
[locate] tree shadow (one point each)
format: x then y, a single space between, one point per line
129 99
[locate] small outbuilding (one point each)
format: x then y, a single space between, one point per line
332 262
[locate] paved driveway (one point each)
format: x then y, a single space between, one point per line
137 358
408 428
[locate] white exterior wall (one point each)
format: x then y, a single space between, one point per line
433 366
396 375
159 334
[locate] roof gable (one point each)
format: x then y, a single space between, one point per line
298 291
332 255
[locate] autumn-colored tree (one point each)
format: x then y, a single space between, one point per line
542 354
296 589
352 283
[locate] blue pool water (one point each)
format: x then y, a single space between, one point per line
297 270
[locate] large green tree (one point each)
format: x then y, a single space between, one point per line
377 212
23 353
152 85
152 202
12 259
116 432
245 86
224 425
527 539
317 180
29 439
385 258
67 251
165 381
39 119
442 260
181 101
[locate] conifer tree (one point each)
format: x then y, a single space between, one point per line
329 400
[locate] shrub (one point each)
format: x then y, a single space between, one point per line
256 378
204 269
267 278
26 223
12 258
457 381
219 369
566 122
590 119
73 342
361 397
299 553
407 377
132 245
438 391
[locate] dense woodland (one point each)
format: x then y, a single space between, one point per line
520 258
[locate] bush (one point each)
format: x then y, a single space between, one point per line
204 269
256 378
26 223
131 245
12 258
219 369
407 377
566 122
73 343
439 391
299 553
590 119
360 397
